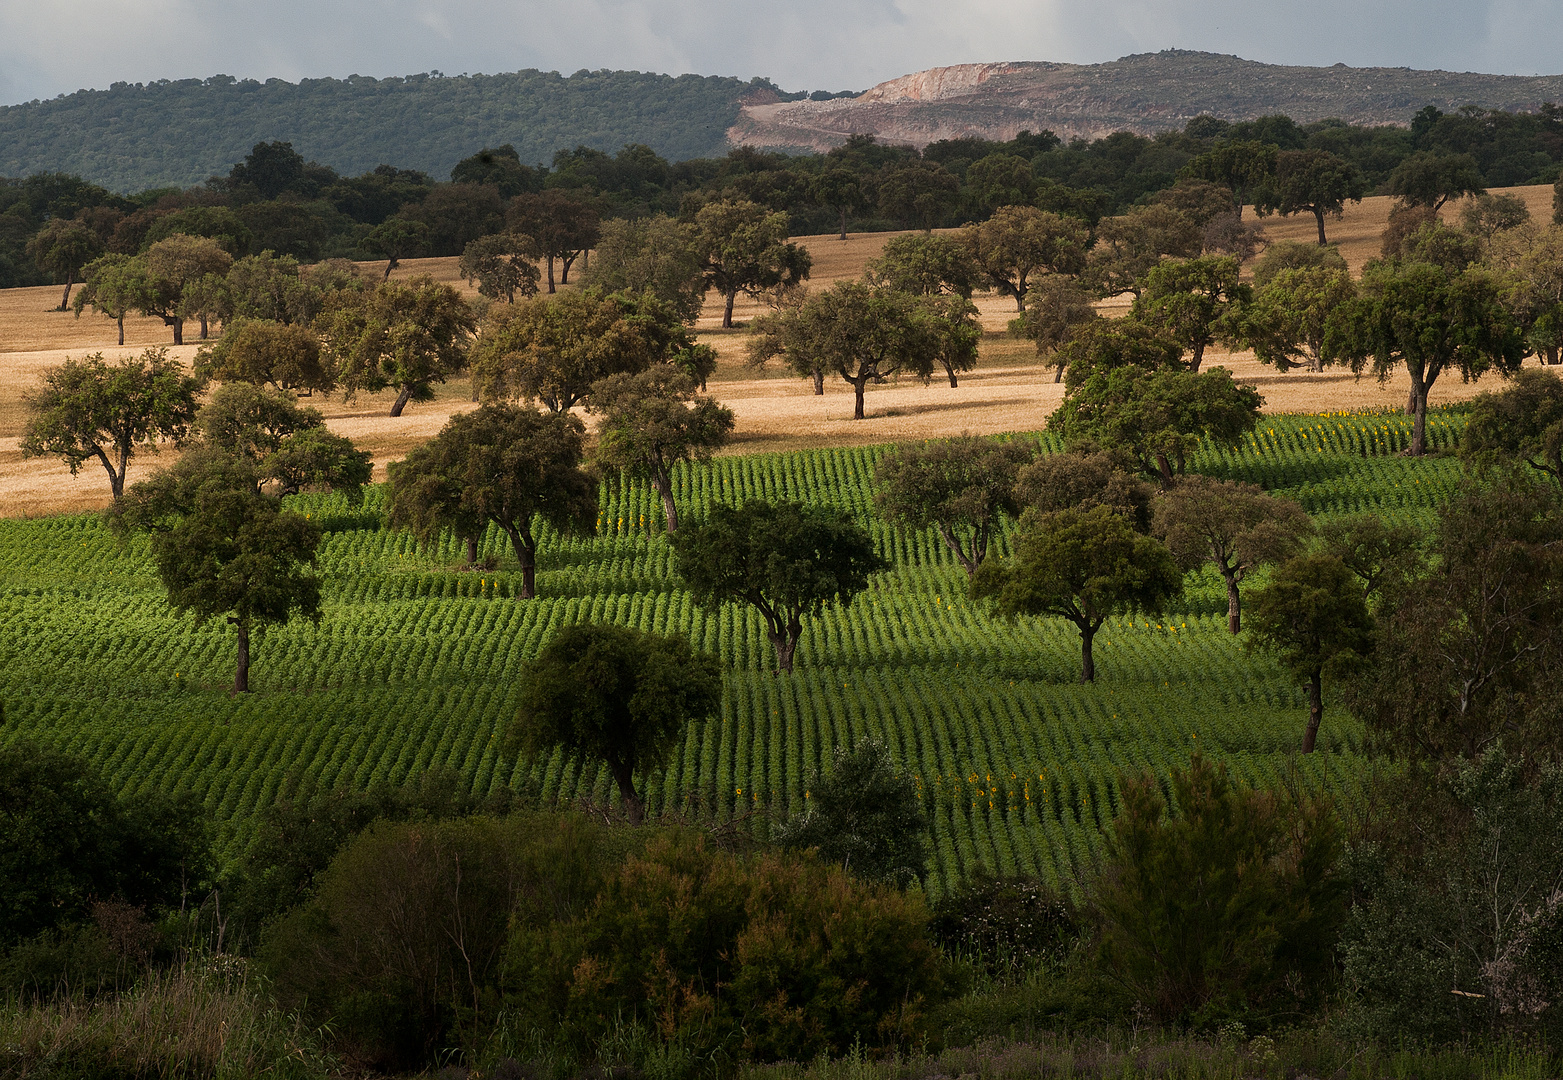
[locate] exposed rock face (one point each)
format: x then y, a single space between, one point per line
1146 93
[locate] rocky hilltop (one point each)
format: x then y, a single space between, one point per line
1145 93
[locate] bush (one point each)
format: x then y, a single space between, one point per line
1227 909
865 816
402 946
778 956
1007 924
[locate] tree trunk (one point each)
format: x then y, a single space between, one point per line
65 304
179 331
1164 468
951 373
1315 709
116 477
121 321
564 268
525 547
858 385
1058 373
1087 661
1234 602
390 264
727 313
1419 426
664 487
1319 217
401 400
819 384
624 779
786 646
1199 358
472 551
843 223
241 670
969 562
203 327
550 273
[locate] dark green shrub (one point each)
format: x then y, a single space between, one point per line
1007 924
865 816
778 956
1230 907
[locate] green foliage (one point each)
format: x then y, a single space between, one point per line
262 352
1524 422
961 488
1310 181
1058 307
743 248
89 408
561 225
287 443
1083 479
1197 302
924 266
1229 908
501 264
1287 322
1129 246
786 559
618 695
1008 925
1018 242
67 842
652 254
1083 566
216 223
775 957
1428 178
864 816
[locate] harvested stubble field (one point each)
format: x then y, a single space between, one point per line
415 663
1009 390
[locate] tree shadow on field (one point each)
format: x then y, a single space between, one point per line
953 406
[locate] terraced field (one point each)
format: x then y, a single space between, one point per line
415 663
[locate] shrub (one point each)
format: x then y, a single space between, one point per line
1007 924
776 956
1228 908
865 816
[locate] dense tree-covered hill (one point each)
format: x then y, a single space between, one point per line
134 136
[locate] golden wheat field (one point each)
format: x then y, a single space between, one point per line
1009 390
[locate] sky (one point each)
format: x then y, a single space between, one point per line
49 47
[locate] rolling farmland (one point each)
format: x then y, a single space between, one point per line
415 664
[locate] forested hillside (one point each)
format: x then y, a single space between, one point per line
135 136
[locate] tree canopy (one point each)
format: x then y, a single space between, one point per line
1316 182
1018 242
616 694
1523 421
1197 302
787 560
743 248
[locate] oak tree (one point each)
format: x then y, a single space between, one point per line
63 248
1018 242
563 224
1197 302
113 285
1316 182
287 356
502 266
924 266
1523 421
743 248
655 254
1058 307
288 444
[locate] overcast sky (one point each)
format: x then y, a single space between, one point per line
48 47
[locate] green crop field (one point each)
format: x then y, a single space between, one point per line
415 664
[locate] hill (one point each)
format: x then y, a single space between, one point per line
1146 93
134 136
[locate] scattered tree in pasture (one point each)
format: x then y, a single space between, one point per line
1241 166
1522 422
1082 479
1197 302
502 464
223 549
287 356
918 194
90 408
63 248
617 695
840 190
1019 242
1316 182
1285 324
1403 221
1470 651
1383 555
653 420
1431 179
1058 307
951 323
174 266
1229 234
1199 199
1232 902
502 266
1084 566
1128 246
1428 319
405 336
1312 615
1235 527
396 239
1156 417
743 248
961 488
563 223
924 266
554 348
785 559
865 815
654 254
113 285
856 331
1103 344
1436 243
288 444
1487 215
1532 265
266 286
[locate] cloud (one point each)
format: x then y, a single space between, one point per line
49 47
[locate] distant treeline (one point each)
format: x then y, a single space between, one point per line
277 200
